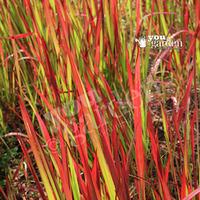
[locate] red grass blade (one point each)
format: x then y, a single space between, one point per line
192 194
135 92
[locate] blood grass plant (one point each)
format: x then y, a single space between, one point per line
104 118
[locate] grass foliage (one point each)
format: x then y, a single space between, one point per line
96 116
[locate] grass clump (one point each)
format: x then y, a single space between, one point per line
96 115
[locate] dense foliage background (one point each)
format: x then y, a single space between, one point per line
85 113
